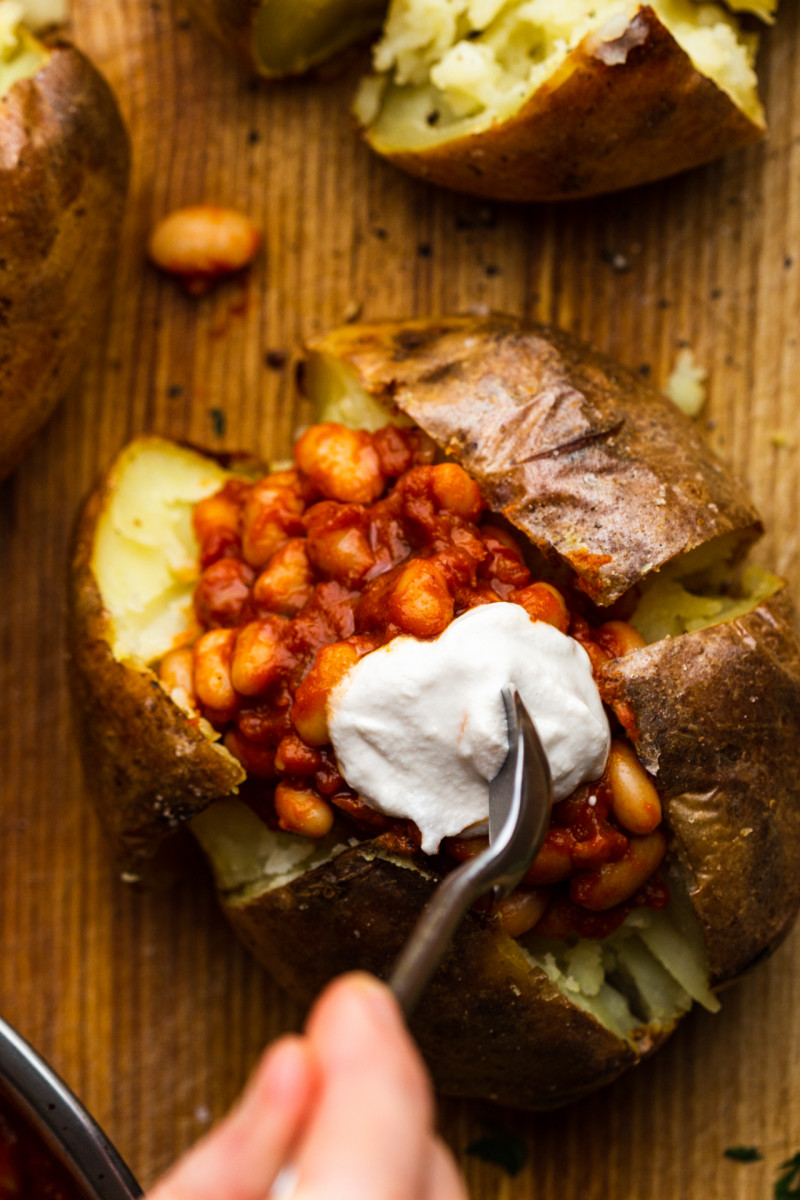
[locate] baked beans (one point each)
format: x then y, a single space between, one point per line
365 539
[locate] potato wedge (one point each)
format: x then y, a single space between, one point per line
288 37
565 102
712 699
152 766
63 179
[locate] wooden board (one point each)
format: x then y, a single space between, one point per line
143 1002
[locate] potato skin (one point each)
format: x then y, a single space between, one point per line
615 115
490 1026
718 717
591 463
63 179
150 769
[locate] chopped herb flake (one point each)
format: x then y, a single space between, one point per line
217 421
503 1149
788 1186
743 1154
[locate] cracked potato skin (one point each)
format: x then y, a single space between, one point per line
149 767
615 115
64 162
591 463
489 1025
718 719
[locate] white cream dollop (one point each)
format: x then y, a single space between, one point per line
419 728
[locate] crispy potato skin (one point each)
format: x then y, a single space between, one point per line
63 179
149 767
616 114
718 715
591 463
489 1025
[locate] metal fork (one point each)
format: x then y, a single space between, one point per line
520 799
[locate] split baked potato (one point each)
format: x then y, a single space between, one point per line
623 509
63 179
554 101
531 100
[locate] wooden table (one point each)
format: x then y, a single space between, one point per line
143 1001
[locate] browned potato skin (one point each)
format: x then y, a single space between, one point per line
149 768
592 464
488 1024
63 178
718 716
594 127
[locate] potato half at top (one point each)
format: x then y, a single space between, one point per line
63 179
287 37
547 100
505 485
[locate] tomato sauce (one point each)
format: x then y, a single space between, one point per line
308 569
28 1169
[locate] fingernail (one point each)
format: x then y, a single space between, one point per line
373 994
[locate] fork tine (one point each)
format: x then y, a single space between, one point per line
525 795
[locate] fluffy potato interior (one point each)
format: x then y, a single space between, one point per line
290 34
21 55
146 555
444 68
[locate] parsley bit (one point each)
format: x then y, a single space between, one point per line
743 1154
788 1186
501 1148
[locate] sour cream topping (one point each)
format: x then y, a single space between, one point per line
419 728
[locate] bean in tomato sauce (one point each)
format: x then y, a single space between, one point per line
368 538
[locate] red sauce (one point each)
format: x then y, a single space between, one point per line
308 569
28 1169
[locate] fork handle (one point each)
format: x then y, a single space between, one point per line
431 936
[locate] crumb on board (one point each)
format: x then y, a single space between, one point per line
686 385
781 440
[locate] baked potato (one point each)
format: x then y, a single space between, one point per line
521 101
287 37
63 180
601 492
557 101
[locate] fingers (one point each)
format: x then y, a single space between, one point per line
370 1134
241 1157
442 1180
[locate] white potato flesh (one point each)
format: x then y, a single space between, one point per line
444 68
146 556
20 54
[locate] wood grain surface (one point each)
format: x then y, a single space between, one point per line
143 1001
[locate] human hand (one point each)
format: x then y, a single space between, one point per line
348 1105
